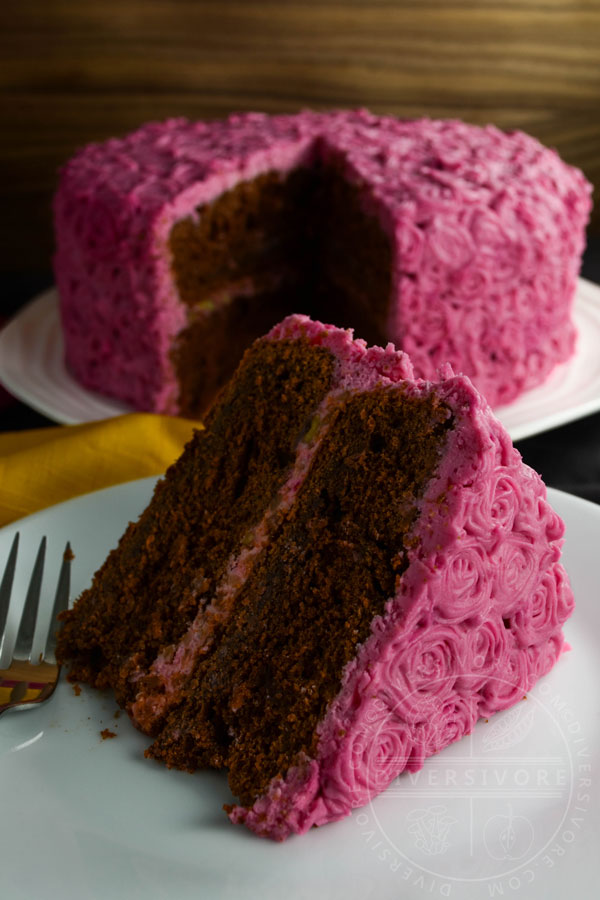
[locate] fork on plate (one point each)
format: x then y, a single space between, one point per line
29 681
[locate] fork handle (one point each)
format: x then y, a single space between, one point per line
22 693
21 670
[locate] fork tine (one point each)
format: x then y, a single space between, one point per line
61 602
6 586
24 638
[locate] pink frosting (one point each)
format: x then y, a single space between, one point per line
477 619
486 230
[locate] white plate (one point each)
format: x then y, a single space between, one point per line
512 810
32 368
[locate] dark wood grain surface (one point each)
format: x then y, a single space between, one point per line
74 72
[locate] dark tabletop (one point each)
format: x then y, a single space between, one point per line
568 457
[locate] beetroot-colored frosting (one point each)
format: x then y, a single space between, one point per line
477 618
487 231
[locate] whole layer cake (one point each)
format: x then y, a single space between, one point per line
182 242
344 570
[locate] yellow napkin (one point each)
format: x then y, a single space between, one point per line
47 465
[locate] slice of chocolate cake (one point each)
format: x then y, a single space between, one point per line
344 570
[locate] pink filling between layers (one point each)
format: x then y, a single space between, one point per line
476 622
281 158
358 368
171 670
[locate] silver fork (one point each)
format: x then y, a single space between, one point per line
29 681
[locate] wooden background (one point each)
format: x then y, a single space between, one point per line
74 71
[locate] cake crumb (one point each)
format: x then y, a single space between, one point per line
106 733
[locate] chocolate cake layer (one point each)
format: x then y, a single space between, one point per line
254 705
207 352
256 227
309 232
353 256
169 562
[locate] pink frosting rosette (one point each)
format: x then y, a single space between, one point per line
426 354
565 599
451 244
375 750
542 657
487 653
490 512
532 508
456 718
433 276
517 563
462 588
546 286
413 300
507 253
508 686
453 152
432 190
470 282
100 231
525 303
477 504
509 260
125 174
410 242
417 673
535 621
506 500
488 231
508 339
